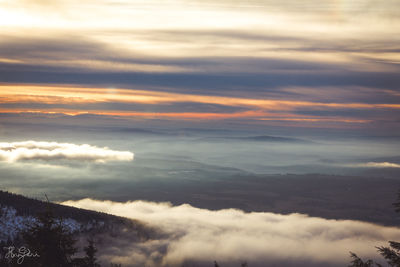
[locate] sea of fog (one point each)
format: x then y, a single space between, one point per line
228 195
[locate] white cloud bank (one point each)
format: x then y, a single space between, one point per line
380 165
49 151
231 236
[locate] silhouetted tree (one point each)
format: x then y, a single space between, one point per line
243 264
357 262
50 239
391 254
90 258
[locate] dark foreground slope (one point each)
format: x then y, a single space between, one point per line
31 207
16 211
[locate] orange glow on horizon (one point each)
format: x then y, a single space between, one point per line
255 115
66 95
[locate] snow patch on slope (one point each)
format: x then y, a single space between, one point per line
11 224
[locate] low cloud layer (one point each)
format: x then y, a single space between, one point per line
52 151
380 165
200 236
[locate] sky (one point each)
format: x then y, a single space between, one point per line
331 64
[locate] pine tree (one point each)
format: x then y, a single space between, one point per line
357 262
391 254
90 258
50 239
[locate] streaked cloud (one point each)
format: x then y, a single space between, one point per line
152 104
53 151
168 34
230 236
267 61
55 94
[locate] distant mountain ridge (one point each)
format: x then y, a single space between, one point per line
257 138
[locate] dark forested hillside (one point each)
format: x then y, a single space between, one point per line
88 220
31 207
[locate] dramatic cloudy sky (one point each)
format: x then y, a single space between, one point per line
288 63
124 105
